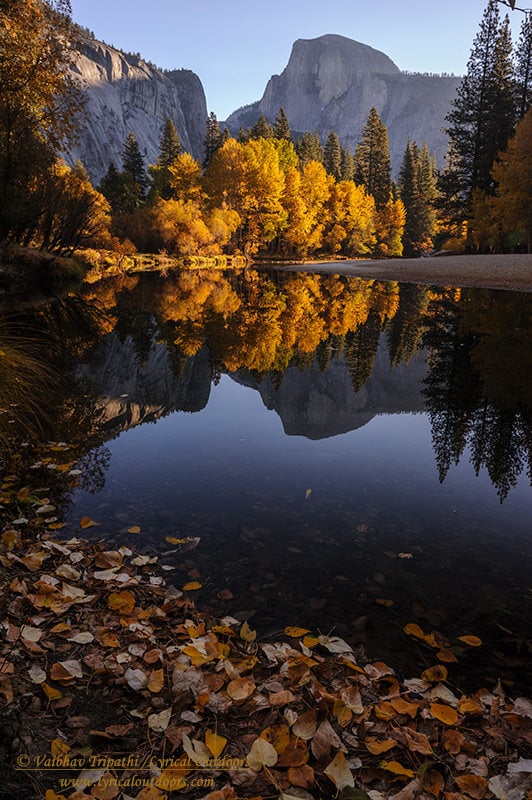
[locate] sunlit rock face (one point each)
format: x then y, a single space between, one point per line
331 83
125 94
322 403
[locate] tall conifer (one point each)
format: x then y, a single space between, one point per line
372 159
213 139
281 127
170 146
332 156
523 72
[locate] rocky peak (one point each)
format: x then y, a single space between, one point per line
126 94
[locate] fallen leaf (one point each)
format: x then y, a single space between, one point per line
396 768
240 688
473 785
339 773
247 634
305 726
435 674
294 632
261 754
134 529
156 680
417 742
308 493
302 776
124 602
444 713
159 722
191 586
87 522
136 679
376 748
215 743
472 641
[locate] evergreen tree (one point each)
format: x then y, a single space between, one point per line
332 156
213 139
523 71
372 159
261 129
281 128
483 114
309 148
170 146
417 186
348 164
133 164
118 189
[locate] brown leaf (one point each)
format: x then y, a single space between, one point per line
473 785
305 726
324 740
123 602
396 768
404 706
472 641
156 680
417 742
295 755
435 674
240 688
301 776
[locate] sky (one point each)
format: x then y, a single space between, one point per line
235 46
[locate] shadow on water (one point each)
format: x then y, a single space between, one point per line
355 455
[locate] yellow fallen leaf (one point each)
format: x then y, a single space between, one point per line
396 768
215 743
310 641
435 674
376 748
308 493
124 602
134 529
51 692
294 632
444 713
247 634
87 522
191 586
59 748
175 540
472 641
447 655
383 601
468 706
414 630
404 706
56 526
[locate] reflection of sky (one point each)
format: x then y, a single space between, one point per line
234 459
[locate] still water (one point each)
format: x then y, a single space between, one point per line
353 455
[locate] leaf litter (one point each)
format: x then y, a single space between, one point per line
102 660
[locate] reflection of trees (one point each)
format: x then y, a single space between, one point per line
478 389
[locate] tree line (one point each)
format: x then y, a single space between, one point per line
264 193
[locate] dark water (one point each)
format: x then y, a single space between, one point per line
334 442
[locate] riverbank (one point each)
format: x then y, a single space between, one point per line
510 272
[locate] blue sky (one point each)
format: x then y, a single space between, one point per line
236 45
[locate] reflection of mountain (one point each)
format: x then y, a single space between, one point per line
318 404
129 394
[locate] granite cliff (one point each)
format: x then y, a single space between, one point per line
124 94
331 83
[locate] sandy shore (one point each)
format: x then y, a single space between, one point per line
513 272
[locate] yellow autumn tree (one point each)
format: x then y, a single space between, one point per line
184 178
315 190
390 224
513 173
350 220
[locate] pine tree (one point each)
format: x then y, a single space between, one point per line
309 148
170 146
417 186
213 139
348 164
332 156
482 114
523 71
281 128
261 129
133 164
372 159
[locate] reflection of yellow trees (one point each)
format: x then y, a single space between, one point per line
250 320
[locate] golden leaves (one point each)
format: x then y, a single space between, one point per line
397 768
435 674
376 748
124 602
215 743
192 586
472 641
87 522
444 713
262 754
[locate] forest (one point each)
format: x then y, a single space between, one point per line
265 193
